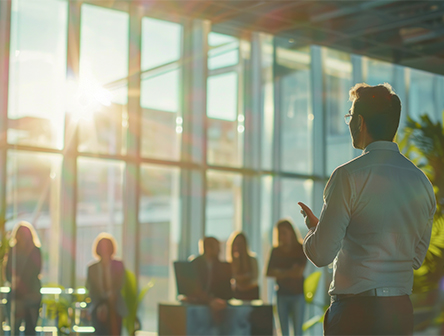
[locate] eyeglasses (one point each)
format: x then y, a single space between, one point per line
347 118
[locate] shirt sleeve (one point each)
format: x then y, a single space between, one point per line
423 245
322 243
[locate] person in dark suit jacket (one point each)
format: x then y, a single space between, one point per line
213 275
105 281
23 272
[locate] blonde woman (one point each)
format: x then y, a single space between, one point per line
23 272
105 281
244 268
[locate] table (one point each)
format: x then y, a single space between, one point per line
239 318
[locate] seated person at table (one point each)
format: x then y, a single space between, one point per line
244 267
213 276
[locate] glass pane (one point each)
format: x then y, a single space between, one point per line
293 71
37 73
267 100
267 284
377 72
223 206
222 96
338 81
224 134
422 95
223 50
161 91
101 95
292 192
439 97
33 195
338 77
159 236
161 42
160 95
99 207
339 151
161 135
103 44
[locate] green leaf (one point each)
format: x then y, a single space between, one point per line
133 299
311 285
423 143
145 290
311 322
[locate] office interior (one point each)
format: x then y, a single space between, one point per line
161 124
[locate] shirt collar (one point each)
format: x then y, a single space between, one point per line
381 145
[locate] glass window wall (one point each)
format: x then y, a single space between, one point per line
225 120
223 205
223 50
266 243
293 78
422 95
37 70
99 208
267 103
338 81
33 195
293 191
101 95
159 234
377 72
160 92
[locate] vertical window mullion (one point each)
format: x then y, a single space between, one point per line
132 169
69 166
5 24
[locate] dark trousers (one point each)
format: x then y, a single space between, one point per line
25 311
370 315
105 328
30 318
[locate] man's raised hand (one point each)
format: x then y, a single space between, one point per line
310 219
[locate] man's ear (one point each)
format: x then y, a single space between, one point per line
361 123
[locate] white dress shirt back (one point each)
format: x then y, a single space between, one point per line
376 222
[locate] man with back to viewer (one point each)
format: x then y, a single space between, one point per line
375 224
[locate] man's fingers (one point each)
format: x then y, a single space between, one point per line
305 208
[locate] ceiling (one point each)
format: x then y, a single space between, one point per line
409 33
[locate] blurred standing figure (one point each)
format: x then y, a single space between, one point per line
22 271
105 281
243 266
287 263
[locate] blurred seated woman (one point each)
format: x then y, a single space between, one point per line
244 268
105 281
23 272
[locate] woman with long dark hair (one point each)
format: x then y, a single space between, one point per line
244 267
287 263
23 272
105 281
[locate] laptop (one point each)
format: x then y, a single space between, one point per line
186 278
188 282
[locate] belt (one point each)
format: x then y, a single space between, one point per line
382 292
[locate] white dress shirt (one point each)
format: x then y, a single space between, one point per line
376 222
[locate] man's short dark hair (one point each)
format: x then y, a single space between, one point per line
380 107
207 242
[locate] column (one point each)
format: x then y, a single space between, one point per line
194 149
